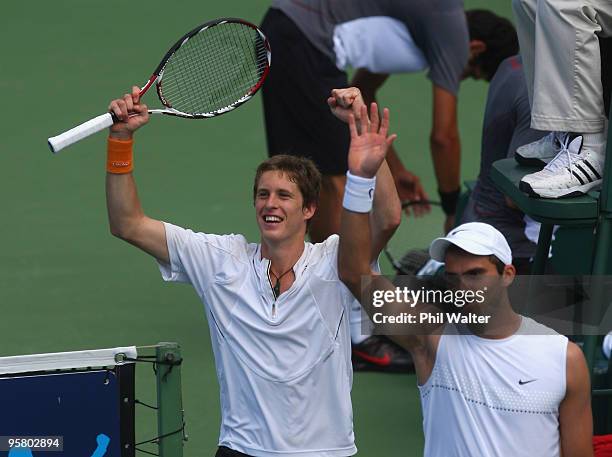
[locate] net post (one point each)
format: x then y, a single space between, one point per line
169 401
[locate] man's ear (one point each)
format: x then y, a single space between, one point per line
477 47
508 275
309 210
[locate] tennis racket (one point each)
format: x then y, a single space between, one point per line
210 71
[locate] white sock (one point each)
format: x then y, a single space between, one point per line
595 141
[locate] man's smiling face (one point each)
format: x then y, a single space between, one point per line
279 207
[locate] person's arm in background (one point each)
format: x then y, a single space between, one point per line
125 215
386 211
408 185
446 151
575 416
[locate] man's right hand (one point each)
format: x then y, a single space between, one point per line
343 102
131 114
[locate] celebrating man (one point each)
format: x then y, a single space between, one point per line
276 310
499 384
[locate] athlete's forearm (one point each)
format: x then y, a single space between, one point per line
354 250
123 204
446 156
353 259
444 140
376 293
369 288
386 211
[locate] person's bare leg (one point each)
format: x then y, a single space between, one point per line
326 220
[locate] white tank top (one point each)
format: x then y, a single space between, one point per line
490 397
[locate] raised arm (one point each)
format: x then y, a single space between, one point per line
366 156
386 211
125 215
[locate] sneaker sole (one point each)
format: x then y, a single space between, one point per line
531 161
555 193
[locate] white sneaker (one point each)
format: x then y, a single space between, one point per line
542 151
573 171
607 345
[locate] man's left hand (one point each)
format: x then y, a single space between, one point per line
369 145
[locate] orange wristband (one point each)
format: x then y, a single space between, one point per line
120 157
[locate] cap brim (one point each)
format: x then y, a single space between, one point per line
437 249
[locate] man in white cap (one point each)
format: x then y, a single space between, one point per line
500 384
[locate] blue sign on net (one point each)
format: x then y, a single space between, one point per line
71 414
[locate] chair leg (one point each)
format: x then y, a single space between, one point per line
541 256
603 238
539 263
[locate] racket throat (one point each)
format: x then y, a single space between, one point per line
149 83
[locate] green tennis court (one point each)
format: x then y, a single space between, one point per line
67 284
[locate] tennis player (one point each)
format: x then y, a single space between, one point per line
500 386
276 310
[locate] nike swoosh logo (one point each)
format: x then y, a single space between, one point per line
381 361
522 383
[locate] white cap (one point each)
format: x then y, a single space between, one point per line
476 238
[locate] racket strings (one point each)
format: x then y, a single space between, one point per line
258 60
219 86
221 92
214 69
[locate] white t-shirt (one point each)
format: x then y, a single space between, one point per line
284 366
490 397
356 47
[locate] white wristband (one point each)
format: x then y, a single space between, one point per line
359 193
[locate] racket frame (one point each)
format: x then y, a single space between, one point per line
101 122
158 75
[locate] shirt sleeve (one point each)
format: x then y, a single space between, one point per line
198 258
330 246
446 47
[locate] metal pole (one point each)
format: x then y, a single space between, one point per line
169 400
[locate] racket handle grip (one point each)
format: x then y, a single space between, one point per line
59 142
